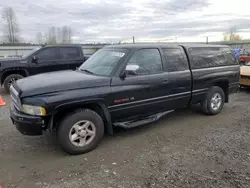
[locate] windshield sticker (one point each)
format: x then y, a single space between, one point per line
118 54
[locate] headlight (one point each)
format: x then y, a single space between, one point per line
33 110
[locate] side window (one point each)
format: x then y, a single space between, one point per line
47 54
175 59
68 53
207 57
148 60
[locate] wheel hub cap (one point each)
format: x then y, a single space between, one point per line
82 133
216 101
12 81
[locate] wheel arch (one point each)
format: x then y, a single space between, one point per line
8 72
96 105
224 85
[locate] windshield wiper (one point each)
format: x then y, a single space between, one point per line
85 70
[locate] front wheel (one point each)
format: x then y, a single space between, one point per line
9 80
214 101
80 132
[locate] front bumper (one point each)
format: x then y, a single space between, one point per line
27 124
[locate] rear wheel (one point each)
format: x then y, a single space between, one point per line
80 132
9 80
214 101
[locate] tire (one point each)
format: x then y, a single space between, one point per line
9 80
74 124
207 104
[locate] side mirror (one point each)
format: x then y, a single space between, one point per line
34 59
132 70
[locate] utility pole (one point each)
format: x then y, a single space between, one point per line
206 40
133 39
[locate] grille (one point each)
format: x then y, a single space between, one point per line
15 98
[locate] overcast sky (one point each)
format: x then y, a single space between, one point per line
115 20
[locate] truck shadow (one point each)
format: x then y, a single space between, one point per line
168 120
164 121
245 90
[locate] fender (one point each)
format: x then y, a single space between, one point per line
224 83
97 101
220 80
13 69
16 69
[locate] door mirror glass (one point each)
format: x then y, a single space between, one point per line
34 59
132 70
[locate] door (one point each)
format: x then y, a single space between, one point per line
70 58
46 61
179 77
142 93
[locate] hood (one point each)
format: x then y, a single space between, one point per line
245 70
8 61
59 81
11 59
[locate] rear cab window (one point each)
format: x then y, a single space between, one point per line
68 53
206 57
175 59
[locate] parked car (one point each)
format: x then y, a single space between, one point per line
245 75
244 57
124 86
44 59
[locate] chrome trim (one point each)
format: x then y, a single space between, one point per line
12 89
234 83
211 68
15 98
199 90
151 99
16 106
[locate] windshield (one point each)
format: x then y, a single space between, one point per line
102 62
30 52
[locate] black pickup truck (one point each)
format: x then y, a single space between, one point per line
40 60
124 86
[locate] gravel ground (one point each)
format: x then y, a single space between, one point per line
185 149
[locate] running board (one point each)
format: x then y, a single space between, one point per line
138 122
